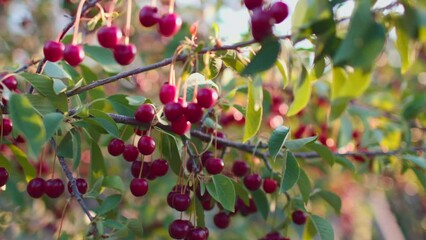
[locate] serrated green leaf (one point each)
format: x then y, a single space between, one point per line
254 109
51 123
106 122
332 199
290 173
299 143
262 203
277 140
304 185
222 190
114 182
110 203
323 151
323 227
41 103
265 58
54 70
121 105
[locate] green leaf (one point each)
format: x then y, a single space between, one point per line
265 58
277 140
323 227
51 123
114 182
290 173
171 147
344 162
4 162
26 120
323 151
110 203
304 185
106 122
283 69
414 107
54 70
97 163
65 147
22 158
403 44
421 176
241 192
262 203
76 148
59 86
302 93
41 103
254 110
332 199
196 79
299 143
199 212
222 190
104 57
121 105
96 189
136 100
419 161
309 230
233 60
135 226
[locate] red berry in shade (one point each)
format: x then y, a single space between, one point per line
130 153
252 4
206 196
53 51
136 168
109 36
169 24
170 197
192 166
116 147
221 220
10 82
279 11
145 113
139 187
206 155
159 167
173 111
124 54
218 145
181 126
181 201
214 165
20 139
252 181
208 204
81 184
139 132
269 185
206 230
148 16
298 217
54 187
74 54
207 97
240 168
146 145
35 187
151 176
4 175
197 233
6 127
179 229
261 24
193 112
167 93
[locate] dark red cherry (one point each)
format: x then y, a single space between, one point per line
54 187
214 165
53 51
148 16
145 113
181 201
197 233
130 153
173 111
207 97
193 112
169 24
124 54
221 220
81 184
109 36
208 204
269 185
146 145
35 187
261 24
279 11
159 167
116 147
206 155
179 229
298 217
139 187
181 126
139 132
167 93
9 81
170 197
252 181
252 4
136 168
4 175
192 166
6 126
240 168
74 54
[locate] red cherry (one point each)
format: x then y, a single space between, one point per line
279 11
298 217
240 168
35 187
197 233
208 204
74 54
261 24
145 113
20 139
207 97
116 147
109 36
179 229
252 181
6 126
173 111
269 185
221 220
53 51
251 4
206 155
192 166
214 165
159 167
167 93
193 112
4 175
54 187
181 126
169 24
146 145
170 197
148 16
124 54
139 132
136 168
130 153
10 82
81 184
219 145
139 187
206 196
181 201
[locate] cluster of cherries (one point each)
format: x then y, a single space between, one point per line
263 19
168 24
53 188
10 82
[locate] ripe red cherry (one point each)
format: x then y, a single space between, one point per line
214 165
206 155
4 175
35 187
130 153
116 147
148 16
170 197
74 54
298 217
252 181
221 220
145 113
197 233
261 24
181 126
252 4
173 111
136 168
124 54
81 184
139 132
167 93
208 204
279 11
269 185
207 97
6 126
193 112
240 168
53 51
54 187
10 82
109 36
192 166
181 201
179 229
146 145
159 167
139 187
169 24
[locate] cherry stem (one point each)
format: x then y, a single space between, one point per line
124 131
185 87
143 161
63 217
77 21
128 21
172 6
110 12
